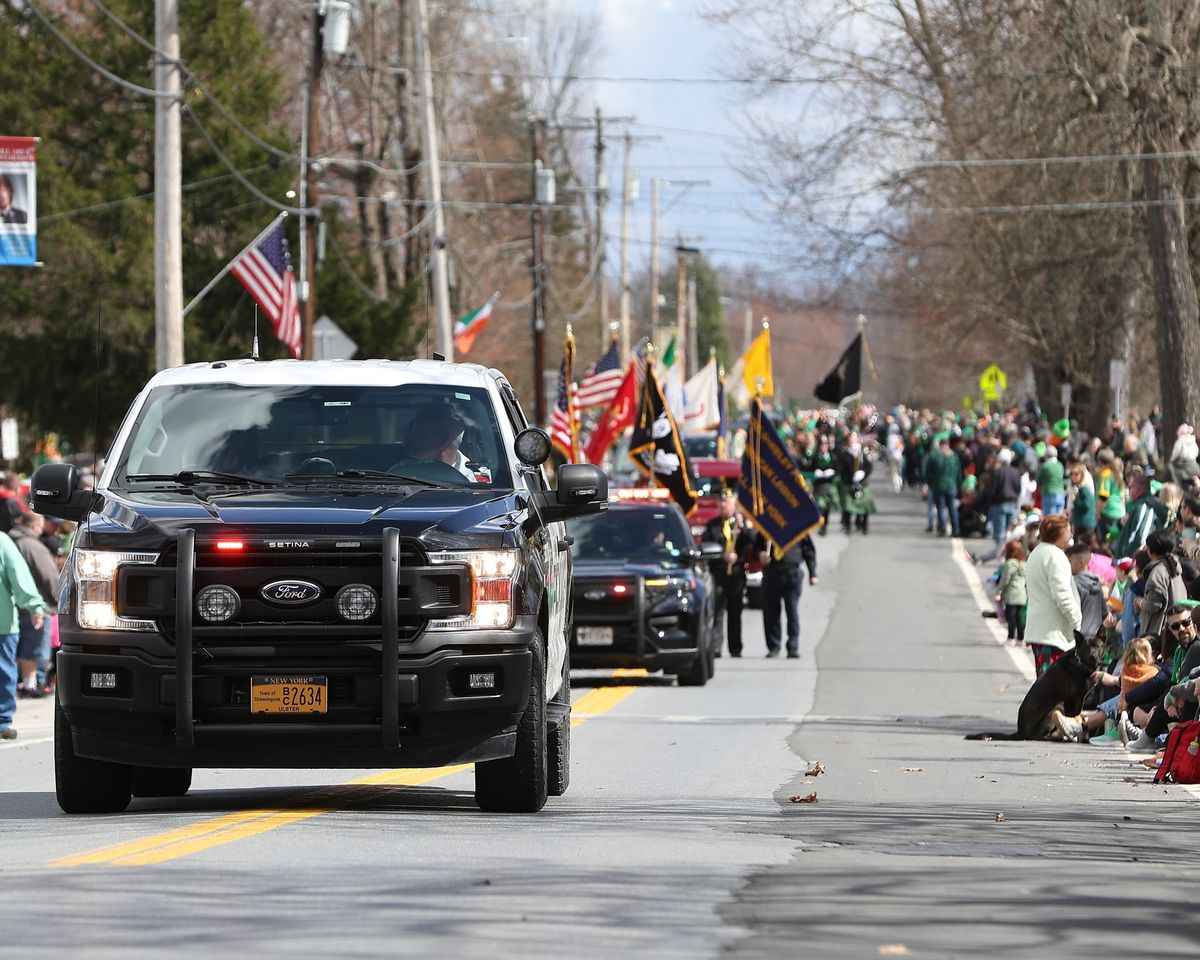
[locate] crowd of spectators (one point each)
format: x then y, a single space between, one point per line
1095 535
33 552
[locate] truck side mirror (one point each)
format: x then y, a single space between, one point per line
54 490
582 489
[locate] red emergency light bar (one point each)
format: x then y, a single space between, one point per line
230 545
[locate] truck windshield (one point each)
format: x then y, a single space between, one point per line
443 436
633 534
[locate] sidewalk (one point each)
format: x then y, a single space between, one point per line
34 721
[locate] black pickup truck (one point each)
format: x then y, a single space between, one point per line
330 564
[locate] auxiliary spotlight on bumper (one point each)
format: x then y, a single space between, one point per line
356 602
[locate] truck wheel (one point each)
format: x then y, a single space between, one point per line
520 783
560 739
697 674
161 781
82 785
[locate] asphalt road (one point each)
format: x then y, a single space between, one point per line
678 837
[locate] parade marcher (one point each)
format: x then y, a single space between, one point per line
854 468
17 589
782 584
33 647
824 472
729 573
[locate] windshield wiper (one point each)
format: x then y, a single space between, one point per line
190 477
359 474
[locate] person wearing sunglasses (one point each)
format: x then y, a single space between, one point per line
1156 703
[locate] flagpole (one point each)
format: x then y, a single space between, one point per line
229 266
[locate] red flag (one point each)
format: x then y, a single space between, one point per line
617 417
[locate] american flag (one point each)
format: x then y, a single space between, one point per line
602 381
564 422
265 269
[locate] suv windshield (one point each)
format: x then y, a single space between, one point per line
443 436
637 534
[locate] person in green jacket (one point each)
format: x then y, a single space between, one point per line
1146 514
943 473
17 589
1052 484
1083 503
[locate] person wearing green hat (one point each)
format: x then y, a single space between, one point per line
1062 428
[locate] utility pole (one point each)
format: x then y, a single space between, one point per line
601 253
654 306
433 180
168 164
681 306
538 234
626 207
693 335
309 198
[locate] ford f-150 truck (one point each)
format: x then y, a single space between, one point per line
317 564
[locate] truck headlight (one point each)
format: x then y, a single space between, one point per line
95 573
492 573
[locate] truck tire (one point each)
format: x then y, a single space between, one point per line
161 781
697 674
520 783
82 785
560 739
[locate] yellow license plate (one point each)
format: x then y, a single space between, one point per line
289 694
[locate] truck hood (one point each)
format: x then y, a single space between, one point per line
443 518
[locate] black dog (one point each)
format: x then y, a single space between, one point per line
1062 687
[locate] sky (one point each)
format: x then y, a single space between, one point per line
682 131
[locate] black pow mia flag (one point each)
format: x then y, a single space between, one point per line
655 447
845 379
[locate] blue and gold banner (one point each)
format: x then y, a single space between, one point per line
772 493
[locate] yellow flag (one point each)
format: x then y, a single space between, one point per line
756 365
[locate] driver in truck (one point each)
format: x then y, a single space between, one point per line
436 433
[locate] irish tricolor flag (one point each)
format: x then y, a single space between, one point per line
468 327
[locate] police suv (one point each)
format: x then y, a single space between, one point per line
643 591
331 564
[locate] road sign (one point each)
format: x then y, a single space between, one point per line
330 341
993 383
8 438
1116 374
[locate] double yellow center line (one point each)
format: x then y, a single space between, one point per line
216 832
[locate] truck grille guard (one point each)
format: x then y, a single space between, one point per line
423 599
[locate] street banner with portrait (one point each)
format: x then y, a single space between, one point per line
18 201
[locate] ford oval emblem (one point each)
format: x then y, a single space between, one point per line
290 592
593 594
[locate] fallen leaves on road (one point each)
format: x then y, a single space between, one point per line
912 769
802 798
893 950
1150 762
1130 780
999 817
816 770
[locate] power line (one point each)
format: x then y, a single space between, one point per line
592 78
237 174
109 204
1049 161
103 71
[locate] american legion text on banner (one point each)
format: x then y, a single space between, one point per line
18 201
771 491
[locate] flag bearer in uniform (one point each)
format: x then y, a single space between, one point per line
783 580
729 573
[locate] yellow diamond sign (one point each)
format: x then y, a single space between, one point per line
993 382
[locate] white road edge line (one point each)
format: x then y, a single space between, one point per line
1019 655
14 744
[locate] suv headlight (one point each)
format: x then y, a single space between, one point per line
95 573
492 573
